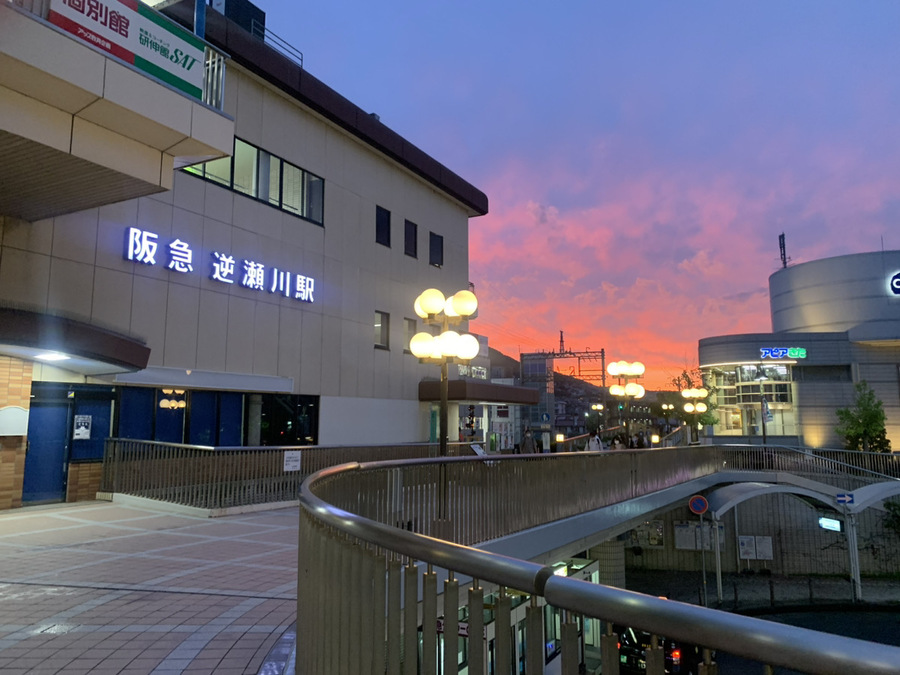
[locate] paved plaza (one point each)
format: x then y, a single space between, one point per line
106 588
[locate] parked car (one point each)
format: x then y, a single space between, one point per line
681 658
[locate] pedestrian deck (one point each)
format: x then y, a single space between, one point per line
105 588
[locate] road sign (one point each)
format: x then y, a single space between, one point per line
844 498
698 504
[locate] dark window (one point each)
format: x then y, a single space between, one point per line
288 419
411 239
382 330
436 250
382 226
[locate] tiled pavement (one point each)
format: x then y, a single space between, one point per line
106 588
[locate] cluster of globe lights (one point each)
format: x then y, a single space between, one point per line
696 406
432 306
626 370
172 404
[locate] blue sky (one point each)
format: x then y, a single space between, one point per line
641 158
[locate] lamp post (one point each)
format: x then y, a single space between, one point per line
598 408
624 372
449 346
695 406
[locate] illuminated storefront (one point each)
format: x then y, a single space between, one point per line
836 322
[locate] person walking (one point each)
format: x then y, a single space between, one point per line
594 442
528 446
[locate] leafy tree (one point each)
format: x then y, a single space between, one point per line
693 379
862 424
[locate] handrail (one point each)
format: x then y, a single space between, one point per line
358 535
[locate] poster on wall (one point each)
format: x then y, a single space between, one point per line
82 431
685 536
763 548
291 460
648 535
747 547
689 537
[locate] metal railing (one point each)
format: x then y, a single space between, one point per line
213 89
223 477
357 568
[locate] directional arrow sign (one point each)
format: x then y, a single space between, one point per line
845 498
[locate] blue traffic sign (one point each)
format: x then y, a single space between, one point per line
698 504
844 498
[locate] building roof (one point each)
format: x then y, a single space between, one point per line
266 62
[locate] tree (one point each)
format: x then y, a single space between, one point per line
861 426
693 379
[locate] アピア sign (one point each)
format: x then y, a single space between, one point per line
137 34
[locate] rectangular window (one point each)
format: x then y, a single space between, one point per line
411 239
382 330
292 189
412 327
436 250
315 198
382 226
268 178
245 168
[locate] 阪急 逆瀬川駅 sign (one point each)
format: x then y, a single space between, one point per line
137 34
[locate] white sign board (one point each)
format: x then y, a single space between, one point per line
763 548
291 460
82 431
747 547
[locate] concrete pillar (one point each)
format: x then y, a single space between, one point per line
254 419
610 556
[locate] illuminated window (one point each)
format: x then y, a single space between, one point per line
268 178
382 330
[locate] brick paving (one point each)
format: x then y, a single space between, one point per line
106 588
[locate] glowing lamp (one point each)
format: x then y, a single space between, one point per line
421 345
468 347
688 407
431 301
417 307
448 342
700 407
617 390
464 303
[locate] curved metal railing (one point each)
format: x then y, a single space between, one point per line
358 561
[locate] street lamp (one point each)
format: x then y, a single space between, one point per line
625 371
448 346
695 406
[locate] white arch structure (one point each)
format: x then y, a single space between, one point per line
725 498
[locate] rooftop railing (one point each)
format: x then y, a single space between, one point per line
378 539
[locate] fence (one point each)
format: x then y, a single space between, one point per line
357 567
222 477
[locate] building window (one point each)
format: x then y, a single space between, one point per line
411 239
412 327
382 226
436 250
382 330
261 175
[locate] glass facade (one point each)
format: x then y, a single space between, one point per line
738 392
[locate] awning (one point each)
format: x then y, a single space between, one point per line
90 350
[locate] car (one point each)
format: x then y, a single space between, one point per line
681 658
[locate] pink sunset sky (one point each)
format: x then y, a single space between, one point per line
640 158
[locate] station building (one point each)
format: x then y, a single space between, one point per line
835 322
202 243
